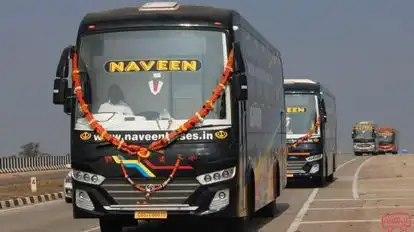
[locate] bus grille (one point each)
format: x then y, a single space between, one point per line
295 166
176 192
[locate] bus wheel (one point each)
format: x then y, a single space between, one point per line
242 224
357 154
108 225
320 181
270 210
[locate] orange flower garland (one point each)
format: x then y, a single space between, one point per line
307 135
139 151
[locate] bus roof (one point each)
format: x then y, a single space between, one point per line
302 85
300 81
171 12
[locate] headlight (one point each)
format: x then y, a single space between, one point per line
88 178
217 176
314 158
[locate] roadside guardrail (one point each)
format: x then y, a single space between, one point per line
28 164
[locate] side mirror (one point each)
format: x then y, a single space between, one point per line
60 90
239 79
62 69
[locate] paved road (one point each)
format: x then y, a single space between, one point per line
365 189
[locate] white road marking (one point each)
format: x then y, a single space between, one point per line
343 221
355 180
365 207
347 162
339 221
299 217
386 190
365 199
96 228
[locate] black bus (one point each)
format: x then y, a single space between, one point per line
143 71
310 131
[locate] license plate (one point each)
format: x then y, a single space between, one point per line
150 215
289 175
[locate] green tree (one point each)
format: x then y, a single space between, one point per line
31 149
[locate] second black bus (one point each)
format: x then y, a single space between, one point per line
311 156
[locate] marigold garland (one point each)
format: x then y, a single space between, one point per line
302 139
143 152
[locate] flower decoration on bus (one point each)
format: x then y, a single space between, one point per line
143 153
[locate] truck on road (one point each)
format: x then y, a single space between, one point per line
364 138
148 139
387 140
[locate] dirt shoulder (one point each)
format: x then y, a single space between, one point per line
16 186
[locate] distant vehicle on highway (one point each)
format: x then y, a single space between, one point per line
67 185
403 151
365 138
387 140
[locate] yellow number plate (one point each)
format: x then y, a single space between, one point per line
289 175
150 215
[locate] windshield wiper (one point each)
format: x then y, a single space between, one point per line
210 125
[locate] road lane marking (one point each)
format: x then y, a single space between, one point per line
364 199
96 228
347 162
301 214
299 217
364 207
356 176
343 221
340 221
386 190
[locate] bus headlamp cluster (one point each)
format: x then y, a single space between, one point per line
88 178
314 157
217 176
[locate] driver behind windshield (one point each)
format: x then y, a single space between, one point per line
116 102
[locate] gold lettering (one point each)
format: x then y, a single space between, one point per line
147 66
189 65
152 65
296 110
162 65
175 65
132 67
116 66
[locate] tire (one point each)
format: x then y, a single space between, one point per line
320 181
68 200
242 224
357 154
331 177
108 225
270 210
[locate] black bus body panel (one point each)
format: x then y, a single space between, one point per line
326 144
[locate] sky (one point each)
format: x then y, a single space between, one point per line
361 50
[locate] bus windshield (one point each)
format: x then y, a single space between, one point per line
136 78
385 138
301 113
362 135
